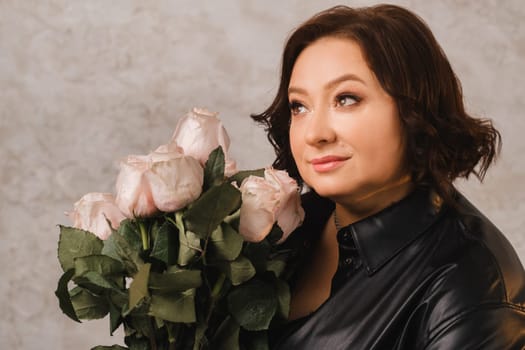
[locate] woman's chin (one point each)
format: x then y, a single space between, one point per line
331 192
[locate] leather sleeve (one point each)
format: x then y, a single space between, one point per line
497 326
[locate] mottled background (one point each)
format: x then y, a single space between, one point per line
84 83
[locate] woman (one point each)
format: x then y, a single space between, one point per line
369 115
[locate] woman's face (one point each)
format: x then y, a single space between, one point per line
345 135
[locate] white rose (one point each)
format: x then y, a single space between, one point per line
199 132
274 198
92 212
164 180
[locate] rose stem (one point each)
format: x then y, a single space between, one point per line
144 235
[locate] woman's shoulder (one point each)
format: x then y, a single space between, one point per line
477 266
476 284
496 254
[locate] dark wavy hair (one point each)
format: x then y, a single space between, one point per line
443 141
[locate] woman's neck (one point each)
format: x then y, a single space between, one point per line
355 209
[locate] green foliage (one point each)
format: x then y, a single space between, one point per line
225 243
174 281
253 305
174 307
88 306
227 335
283 297
113 347
238 271
241 175
74 243
138 289
185 278
258 341
63 296
166 244
207 212
125 246
214 168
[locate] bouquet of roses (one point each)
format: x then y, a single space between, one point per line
187 254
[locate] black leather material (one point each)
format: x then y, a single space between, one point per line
414 276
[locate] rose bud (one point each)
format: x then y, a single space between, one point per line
164 180
199 132
274 198
92 212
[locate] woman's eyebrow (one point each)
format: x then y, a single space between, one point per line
331 84
345 77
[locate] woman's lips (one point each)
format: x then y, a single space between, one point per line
327 163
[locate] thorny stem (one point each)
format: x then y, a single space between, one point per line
218 286
215 294
171 338
152 340
203 253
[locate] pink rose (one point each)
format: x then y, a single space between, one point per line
164 180
92 212
198 133
274 198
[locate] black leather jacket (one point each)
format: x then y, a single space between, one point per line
414 276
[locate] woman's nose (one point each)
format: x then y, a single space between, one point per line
319 129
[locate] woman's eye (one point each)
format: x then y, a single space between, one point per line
346 100
296 108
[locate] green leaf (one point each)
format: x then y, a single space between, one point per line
74 243
98 273
258 254
138 288
176 307
277 266
207 212
177 281
139 321
115 318
253 305
166 244
283 298
88 306
119 299
258 341
225 243
241 175
136 342
227 335
129 229
63 296
96 283
238 271
189 243
125 246
214 168
112 347
189 246
111 247
234 219
101 264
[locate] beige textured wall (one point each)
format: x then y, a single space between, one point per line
84 83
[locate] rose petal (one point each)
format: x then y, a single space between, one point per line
198 133
259 204
133 193
92 212
175 183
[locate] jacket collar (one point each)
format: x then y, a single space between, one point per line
382 236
